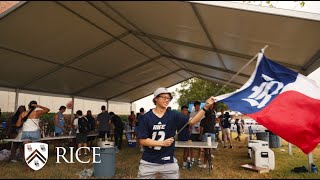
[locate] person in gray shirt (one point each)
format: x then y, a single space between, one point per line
104 122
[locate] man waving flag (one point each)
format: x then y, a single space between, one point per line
285 102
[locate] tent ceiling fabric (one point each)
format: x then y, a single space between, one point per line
123 51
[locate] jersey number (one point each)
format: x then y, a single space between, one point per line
155 134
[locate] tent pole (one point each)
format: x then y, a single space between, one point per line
290 149
72 110
234 76
16 100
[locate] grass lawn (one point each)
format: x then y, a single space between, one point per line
226 165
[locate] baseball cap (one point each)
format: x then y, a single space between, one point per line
161 91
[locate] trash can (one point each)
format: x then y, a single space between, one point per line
263 136
274 140
107 166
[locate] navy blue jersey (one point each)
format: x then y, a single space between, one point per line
150 126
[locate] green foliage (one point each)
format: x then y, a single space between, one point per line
48 118
5 116
124 118
199 89
270 3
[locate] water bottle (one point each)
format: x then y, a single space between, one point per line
314 168
209 140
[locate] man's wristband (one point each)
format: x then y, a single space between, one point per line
205 110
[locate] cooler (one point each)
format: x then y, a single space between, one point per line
263 157
259 143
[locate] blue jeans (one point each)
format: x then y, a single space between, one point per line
31 135
204 137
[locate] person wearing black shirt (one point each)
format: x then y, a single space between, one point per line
13 132
239 129
118 129
207 129
225 119
92 125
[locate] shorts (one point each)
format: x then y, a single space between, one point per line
81 138
31 135
226 131
149 170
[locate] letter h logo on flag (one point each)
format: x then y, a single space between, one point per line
285 102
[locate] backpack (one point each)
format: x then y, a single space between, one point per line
83 125
299 169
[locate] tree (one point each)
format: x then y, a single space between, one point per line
270 3
199 89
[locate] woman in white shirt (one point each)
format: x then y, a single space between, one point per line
29 120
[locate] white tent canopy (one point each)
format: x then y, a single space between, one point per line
122 51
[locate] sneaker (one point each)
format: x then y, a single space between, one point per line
231 146
185 166
13 160
202 166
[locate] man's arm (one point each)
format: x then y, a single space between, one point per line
201 113
150 142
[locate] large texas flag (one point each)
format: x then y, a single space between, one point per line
285 102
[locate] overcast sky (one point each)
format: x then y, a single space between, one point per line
310 6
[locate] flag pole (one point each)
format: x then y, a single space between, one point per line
310 160
262 50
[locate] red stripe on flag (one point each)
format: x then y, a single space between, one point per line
293 116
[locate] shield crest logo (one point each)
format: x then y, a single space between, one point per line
36 155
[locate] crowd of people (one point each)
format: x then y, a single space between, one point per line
155 131
159 127
25 125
